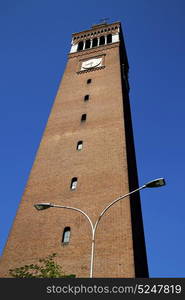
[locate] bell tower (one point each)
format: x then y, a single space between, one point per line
86 159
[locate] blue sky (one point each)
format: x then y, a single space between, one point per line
35 38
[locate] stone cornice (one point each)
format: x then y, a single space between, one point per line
95 27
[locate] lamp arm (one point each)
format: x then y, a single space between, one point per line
76 209
114 201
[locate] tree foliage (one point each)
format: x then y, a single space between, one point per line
46 268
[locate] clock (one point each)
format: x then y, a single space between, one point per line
91 63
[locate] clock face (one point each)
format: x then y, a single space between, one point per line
91 63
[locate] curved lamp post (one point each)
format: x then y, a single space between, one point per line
41 206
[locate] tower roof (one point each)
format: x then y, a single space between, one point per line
97 26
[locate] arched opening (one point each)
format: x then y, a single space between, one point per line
109 38
102 40
95 42
87 44
80 46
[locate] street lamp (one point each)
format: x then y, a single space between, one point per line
41 206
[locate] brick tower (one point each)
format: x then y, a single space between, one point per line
86 159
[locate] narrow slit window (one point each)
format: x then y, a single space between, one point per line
89 80
86 97
83 118
66 235
79 145
74 183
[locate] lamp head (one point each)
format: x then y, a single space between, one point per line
42 206
155 183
